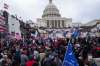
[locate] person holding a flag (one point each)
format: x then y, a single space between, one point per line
70 59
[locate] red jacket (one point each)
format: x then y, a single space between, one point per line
30 63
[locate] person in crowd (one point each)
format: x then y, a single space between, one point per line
31 62
24 57
44 53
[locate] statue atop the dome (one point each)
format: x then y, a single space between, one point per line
50 1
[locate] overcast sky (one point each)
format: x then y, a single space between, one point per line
79 10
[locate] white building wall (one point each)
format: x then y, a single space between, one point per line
41 23
91 23
14 25
76 24
68 22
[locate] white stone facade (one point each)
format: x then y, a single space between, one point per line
91 23
95 23
77 24
14 25
52 19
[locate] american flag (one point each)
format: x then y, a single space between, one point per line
2 29
2 23
2 20
1 17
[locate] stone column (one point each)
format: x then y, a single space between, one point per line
57 23
63 23
47 23
60 23
50 25
54 23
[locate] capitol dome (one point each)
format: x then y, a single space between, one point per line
51 10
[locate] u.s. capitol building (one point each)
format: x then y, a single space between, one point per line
51 18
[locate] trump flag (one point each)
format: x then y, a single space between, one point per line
69 59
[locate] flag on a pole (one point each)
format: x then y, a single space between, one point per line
6 6
75 34
69 59
65 33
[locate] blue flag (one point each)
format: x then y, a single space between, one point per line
65 33
75 34
69 59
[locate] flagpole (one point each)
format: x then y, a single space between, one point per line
69 55
5 6
66 49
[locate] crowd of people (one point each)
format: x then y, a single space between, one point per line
48 52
